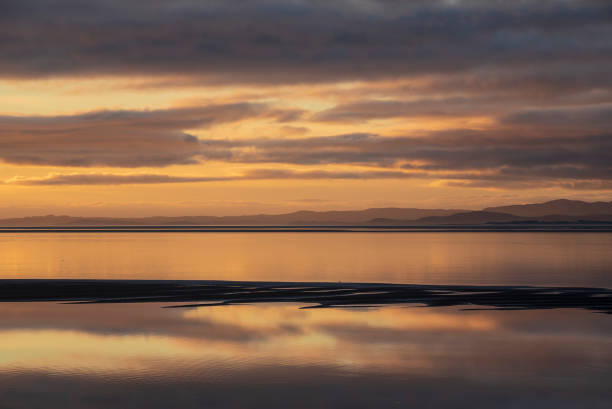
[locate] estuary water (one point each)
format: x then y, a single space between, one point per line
282 355
484 258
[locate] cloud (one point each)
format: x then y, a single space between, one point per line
81 179
325 174
582 117
544 82
537 71
438 151
541 145
381 109
124 138
300 41
506 178
135 139
602 185
75 179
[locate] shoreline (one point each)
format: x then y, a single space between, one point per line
461 228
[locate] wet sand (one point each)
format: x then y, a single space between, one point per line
315 295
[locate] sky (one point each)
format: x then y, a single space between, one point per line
190 107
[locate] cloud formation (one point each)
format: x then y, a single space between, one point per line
84 179
554 144
302 40
125 138
535 73
551 144
511 154
79 179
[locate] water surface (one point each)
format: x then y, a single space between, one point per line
560 259
279 356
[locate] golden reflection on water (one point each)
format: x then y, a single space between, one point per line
144 339
430 258
63 337
278 356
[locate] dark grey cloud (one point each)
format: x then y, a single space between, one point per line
75 179
381 109
279 41
532 183
582 117
467 158
436 151
541 83
125 138
592 111
82 179
502 157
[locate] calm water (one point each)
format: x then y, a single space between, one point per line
566 259
280 356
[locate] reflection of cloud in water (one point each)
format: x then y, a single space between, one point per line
260 333
143 338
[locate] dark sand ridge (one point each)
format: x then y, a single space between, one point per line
316 295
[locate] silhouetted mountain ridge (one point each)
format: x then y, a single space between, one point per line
303 217
485 217
561 210
555 207
477 217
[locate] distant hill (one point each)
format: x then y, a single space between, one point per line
562 210
556 207
484 217
478 217
295 218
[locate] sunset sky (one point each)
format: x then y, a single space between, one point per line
186 107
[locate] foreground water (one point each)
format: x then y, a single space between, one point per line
280 356
283 356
